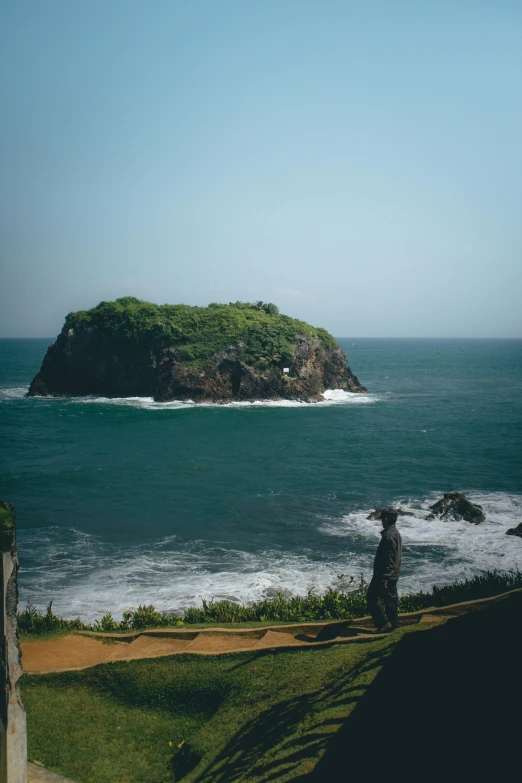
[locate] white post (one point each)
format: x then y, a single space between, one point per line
13 725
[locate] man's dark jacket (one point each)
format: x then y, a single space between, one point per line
387 563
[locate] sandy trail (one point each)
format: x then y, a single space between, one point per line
83 649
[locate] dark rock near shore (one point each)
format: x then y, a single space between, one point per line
515 531
455 505
401 512
228 377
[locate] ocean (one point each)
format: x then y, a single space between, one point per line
122 502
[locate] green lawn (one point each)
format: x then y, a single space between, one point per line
239 717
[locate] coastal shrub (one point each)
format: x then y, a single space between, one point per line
480 586
33 622
106 624
345 600
144 617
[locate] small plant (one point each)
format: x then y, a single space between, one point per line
29 619
146 617
106 624
32 621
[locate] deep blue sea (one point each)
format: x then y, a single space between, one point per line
126 501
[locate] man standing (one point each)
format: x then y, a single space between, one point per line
386 570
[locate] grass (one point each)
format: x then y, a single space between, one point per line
238 717
255 716
7 526
342 602
6 518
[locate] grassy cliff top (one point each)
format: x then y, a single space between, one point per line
7 527
200 332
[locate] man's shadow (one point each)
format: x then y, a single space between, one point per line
447 705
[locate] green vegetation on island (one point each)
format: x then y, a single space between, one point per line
197 333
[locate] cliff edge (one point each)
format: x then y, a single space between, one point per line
240 351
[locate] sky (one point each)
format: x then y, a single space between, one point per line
357 163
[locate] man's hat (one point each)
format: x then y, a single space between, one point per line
390 514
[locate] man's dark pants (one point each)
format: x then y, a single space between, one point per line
378 595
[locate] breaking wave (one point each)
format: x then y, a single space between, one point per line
86 576
438 551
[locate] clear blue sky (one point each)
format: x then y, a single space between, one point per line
358 163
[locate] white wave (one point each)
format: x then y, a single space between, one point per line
341 397
439 551
13 393
86 578
146 403
331 397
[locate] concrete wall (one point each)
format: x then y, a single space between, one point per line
13 726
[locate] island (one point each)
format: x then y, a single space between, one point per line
220 353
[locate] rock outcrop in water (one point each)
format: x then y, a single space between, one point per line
401 512
217 353
515 531
455 505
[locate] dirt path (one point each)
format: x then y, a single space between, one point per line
37 774
78 651
83 649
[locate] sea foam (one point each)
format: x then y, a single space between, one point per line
13 393
438 551
88 577
331 397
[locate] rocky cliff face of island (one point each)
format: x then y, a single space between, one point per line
174 352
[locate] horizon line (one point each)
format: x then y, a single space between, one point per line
344 337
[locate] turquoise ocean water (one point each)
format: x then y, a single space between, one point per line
127 501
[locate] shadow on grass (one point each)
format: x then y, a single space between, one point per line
142 684
445 706
291 731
